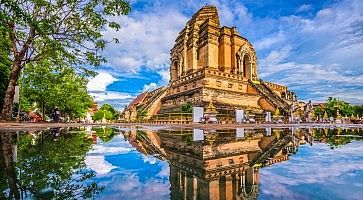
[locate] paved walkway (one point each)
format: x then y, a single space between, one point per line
13 126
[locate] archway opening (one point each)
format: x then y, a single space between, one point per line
247 66
174 71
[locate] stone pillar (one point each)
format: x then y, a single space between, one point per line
184 55
174 182
225 50
236 181
189 186
192 48
195 188
203 186
235 45
182 184
229 188
214 189
208 42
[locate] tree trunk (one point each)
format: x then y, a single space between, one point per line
10 91
7 162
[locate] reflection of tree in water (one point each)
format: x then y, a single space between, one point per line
45 160
337 137
8 167
188 138
105 133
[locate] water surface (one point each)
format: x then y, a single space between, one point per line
131 163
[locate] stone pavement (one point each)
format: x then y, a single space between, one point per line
14 126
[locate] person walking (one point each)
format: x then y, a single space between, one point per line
56 115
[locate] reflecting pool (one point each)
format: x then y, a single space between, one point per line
138 163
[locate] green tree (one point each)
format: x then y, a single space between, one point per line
53 86
49 161
332 104
98 116
187 108
106 112
319 111
109 108
5 63
105 133
141 113
56 31
359 110
4 75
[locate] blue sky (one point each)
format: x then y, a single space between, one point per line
313 47
316 172
126 173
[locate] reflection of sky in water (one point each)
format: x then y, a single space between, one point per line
316 172
126 173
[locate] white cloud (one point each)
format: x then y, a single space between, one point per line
109 150
109 95
97 88
146 38
100 82
164 172
165 76
320 167
268 42
326 170
95 158
130 185
149 159
317 44
99 164
149 87
304 8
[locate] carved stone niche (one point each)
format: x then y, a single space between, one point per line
205 82
178 89
219 83
230 85
194 84
185 87
240 87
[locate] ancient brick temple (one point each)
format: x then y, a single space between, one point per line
210 63
221 165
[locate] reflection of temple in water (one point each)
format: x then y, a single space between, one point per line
219 164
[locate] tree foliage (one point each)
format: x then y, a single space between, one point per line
53 160
329 109
318 111
5 64
336 137
106 111
57 31
53 86
332 104
105 133
187 108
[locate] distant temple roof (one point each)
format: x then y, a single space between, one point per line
138 100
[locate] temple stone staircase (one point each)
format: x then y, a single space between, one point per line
152 148
272 150
272 97
151 104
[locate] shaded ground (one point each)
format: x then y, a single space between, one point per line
12 126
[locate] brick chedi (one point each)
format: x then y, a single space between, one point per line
214 63
210 63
